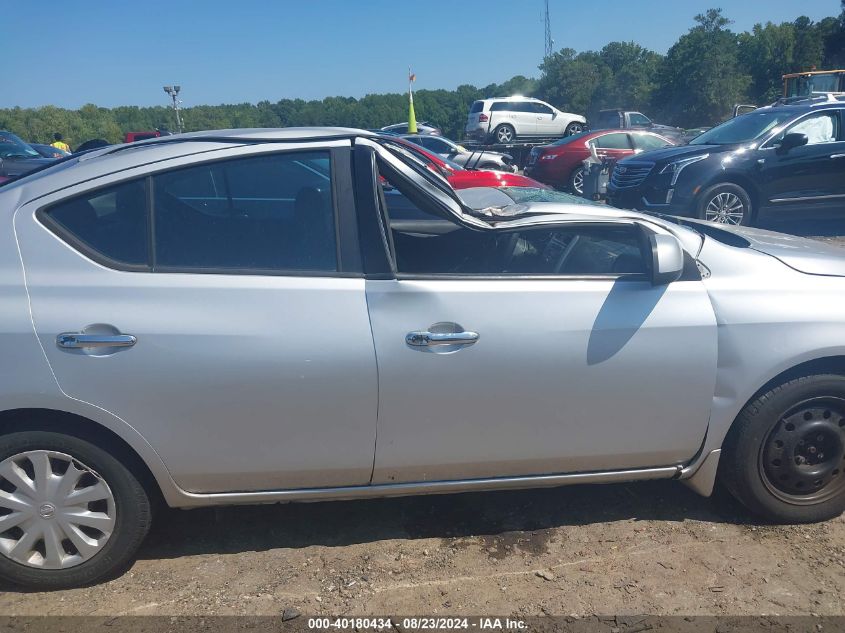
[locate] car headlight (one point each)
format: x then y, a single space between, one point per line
676 167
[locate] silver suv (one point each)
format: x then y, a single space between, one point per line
239 317
507 119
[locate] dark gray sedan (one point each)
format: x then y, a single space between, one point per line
461 155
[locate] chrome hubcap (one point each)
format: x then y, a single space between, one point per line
575 128
505 135
55 512
578 182
725 208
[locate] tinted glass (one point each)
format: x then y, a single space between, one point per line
639 120
501 106
539 108
744 128
820 128
438 145
612 141
647 142
476 107
577 251
268 213
608 119
111 222
13 147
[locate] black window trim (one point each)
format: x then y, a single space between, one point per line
348 255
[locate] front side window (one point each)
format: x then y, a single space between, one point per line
267 213
819 128
109 224
540 108
639 120
612 141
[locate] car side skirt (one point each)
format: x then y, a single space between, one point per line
185 499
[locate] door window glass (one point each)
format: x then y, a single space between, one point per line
267 213
110 223
612 141
819 128
639 120
648 142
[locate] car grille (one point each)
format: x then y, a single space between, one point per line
630 174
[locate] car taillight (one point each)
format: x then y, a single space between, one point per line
483 118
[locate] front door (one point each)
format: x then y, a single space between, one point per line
809 177
538 351
231 338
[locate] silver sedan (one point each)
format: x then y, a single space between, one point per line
469 159
234 317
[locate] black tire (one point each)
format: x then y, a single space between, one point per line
766 486
573 128
133 513
716 201
504 133
575 177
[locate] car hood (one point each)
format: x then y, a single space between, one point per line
677 152
809 256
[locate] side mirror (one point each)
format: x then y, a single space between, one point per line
667 259
791 141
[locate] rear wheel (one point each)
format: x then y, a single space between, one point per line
725 203
70 513
576 181
574 128
504 133
784 458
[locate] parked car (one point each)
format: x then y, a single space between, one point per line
461 178
507 119
422 128
560 164
94 143
18 158
461 155
616 118
553 343
48 151
776 159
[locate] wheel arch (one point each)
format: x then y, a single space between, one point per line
735 178
84 428
702 472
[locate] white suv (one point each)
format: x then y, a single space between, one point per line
505 119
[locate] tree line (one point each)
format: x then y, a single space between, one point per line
696 83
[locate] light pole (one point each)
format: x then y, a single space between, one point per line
173 91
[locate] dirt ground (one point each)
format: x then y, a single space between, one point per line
652 548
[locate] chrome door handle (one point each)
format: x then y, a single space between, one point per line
72 340
429 339
837 155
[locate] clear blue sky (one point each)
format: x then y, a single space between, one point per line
72 52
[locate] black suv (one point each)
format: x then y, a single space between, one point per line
777 158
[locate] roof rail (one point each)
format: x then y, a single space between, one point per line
813 99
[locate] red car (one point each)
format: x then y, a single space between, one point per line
461 178
561 163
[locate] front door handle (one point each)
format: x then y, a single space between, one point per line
74 340
432 339
837 155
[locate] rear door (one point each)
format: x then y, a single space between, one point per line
809 177
615 145
243 351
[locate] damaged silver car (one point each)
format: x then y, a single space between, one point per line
237 317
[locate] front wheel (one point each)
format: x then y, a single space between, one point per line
576 181
70 513
725 203
785 455
574 128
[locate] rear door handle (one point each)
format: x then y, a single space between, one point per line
74 340
431 339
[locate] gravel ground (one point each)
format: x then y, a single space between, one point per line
653 548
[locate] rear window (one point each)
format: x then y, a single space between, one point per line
608 119
476 107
